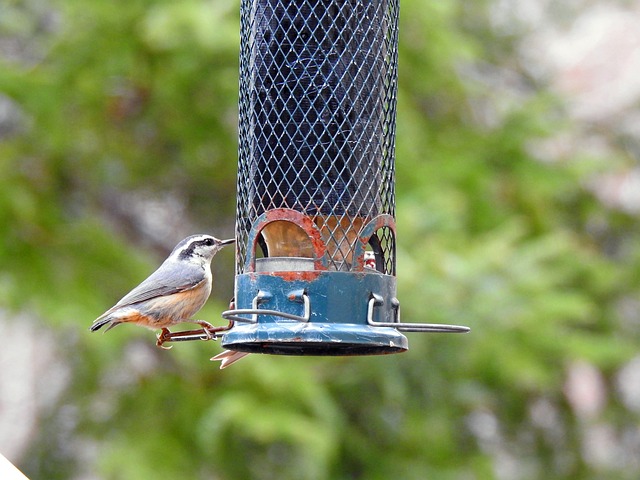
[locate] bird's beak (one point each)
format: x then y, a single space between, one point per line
222 243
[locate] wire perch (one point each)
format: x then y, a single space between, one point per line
190 335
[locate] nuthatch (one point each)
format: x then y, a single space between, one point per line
171 294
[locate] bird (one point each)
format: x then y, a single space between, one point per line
172 294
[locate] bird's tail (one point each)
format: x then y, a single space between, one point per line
228 357
102 321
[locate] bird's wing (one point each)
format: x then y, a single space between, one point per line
166 280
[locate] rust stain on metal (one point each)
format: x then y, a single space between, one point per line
303 275
359 260
306 276
306 223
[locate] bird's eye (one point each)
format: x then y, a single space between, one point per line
208 242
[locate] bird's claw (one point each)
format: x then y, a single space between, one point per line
207 332
209 335
211 332
208 329
162 337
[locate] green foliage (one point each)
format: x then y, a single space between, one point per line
140 97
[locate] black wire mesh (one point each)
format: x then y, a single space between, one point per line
317 117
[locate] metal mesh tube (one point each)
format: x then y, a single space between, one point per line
317 114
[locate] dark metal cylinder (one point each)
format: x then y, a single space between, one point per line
317 120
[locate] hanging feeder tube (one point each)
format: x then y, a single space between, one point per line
315 219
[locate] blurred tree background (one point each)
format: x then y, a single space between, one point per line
517 215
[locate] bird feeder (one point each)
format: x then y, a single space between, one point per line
315 220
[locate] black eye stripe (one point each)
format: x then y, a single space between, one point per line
206 242
188 252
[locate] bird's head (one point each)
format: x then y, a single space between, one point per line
198 248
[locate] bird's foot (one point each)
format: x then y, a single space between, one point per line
210 331
207 332
164 336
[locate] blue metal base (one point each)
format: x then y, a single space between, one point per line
315 339
337 306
